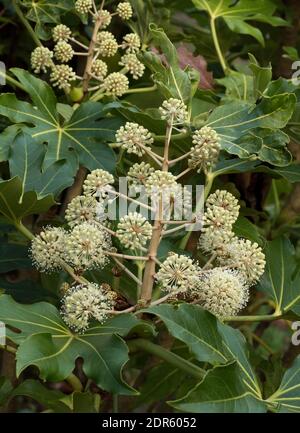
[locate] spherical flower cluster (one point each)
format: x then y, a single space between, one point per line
206 151
99 69
174 111
47 249
83 303
81 209
116 84
134 138
178 274
62 77
131 43
215 241
83 6
133 65
124 10
41 59
247 257
224 200
160 182
63 52
86 247
134 230
108 47
139 173
223 292
104 36
61 33
105 18
97 182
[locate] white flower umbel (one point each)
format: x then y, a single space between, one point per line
224 200
139 173
178 274
206 151
99 69
174 111
218 218
83 6
105 18
47 249
108 47
124 10
134 138
214 241
223 292
161 182
131 43
81 209
246 257
83 303
116 84
41 59
63 52
97 182
61 33
86 245
62 76
133 65
134 230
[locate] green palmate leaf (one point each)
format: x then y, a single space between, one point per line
171 79
261 75
46 12
86 132
15 204
236 15
244 228
287 397
246 129
208 339
290 173
282 277
57 401
25 161
46 342
236 165
238 86
221 391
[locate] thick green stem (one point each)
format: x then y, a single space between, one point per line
11 80
166 355
217 44
260 318
26 24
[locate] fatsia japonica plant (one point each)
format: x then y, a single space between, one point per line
149 202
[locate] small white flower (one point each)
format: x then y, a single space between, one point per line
161 182
174 111
47 249
206 151
97 182
134 230
223 292
63 52
61 33
131 43
86 247
83 303
124 10
246 257
178 274
116 84
133 65
134 138
215 241
108 47
62 76
139 173
81 209
41 59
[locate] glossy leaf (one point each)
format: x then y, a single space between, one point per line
46 342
